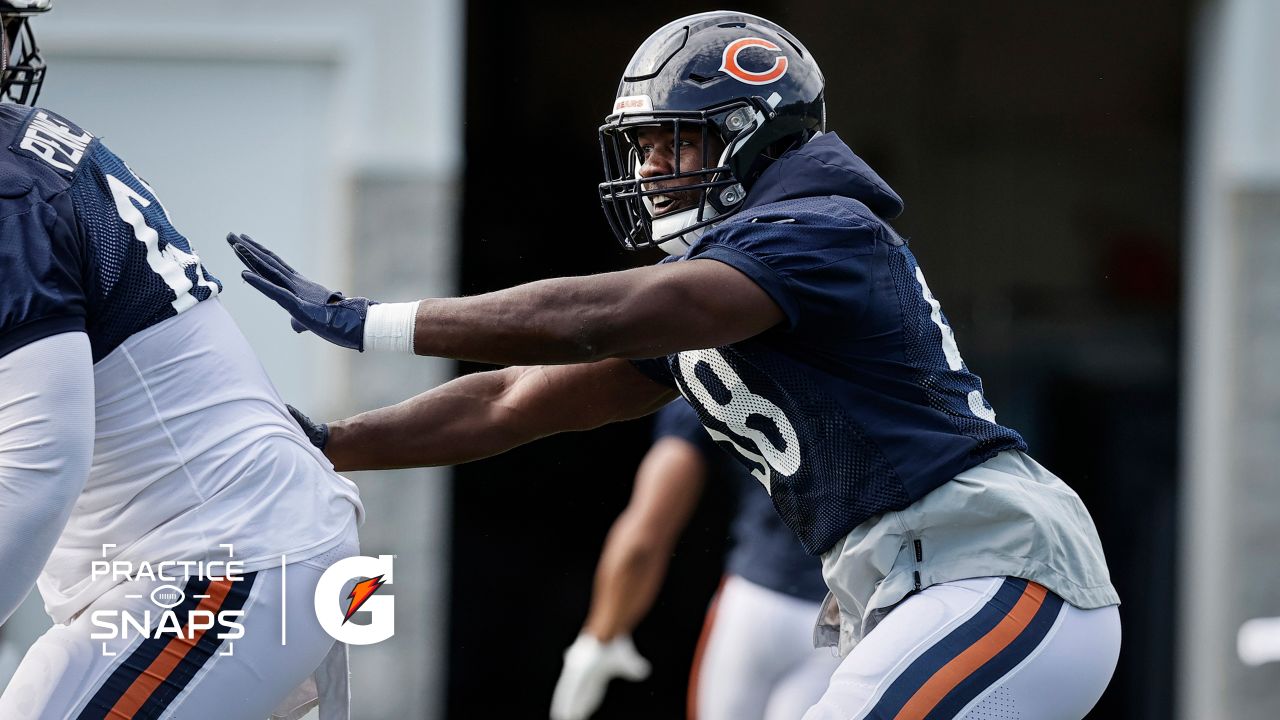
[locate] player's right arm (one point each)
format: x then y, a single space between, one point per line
46 447
46 379
487 413
632 567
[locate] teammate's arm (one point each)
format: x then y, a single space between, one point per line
633 563
487 413
46 446
631 570
638 313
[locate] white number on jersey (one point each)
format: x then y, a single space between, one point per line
741 406
977 404
170 263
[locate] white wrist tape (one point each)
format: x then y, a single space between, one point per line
389 326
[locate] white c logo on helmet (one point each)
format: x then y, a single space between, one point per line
729 63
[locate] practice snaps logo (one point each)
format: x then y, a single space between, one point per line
334 614
194 599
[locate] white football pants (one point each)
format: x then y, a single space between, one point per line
756 659
978 649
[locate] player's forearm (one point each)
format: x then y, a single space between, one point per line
487 413
633 564
46 448
34 507
558 321
638 313
457 422
627 582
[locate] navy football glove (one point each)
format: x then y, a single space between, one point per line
327 313
317 433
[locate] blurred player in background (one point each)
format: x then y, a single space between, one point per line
138 428
966 580
755 658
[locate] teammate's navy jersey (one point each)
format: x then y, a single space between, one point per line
859 402
84 243
764 550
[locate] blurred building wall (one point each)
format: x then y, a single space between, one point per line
1231 430
331 131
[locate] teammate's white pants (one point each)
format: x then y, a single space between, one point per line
977 649
756 659
66 675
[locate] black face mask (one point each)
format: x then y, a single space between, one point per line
627 198
24 68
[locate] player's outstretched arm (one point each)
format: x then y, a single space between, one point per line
644 312
46 446
631 570
487 413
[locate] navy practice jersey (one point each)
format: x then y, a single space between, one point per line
859 402
763 550
84 243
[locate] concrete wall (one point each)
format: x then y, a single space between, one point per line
1231 478
331 131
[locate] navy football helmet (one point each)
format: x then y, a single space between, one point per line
744 82
21 65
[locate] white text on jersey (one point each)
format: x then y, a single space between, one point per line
56 143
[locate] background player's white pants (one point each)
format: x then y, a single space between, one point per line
756 660
978 649
65 674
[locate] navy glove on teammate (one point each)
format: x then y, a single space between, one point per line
317 433
327 313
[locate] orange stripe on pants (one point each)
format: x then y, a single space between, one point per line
691 707
168 659
975 656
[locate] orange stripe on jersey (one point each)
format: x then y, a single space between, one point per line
975 656
172 654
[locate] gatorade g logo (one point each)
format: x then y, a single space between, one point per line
729 63
334 609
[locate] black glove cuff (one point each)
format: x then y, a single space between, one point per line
317 433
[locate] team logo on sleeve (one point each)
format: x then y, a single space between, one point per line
732 64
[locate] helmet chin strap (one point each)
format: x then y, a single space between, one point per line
675 224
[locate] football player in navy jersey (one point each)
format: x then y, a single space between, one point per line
965 579
152 485
754 659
